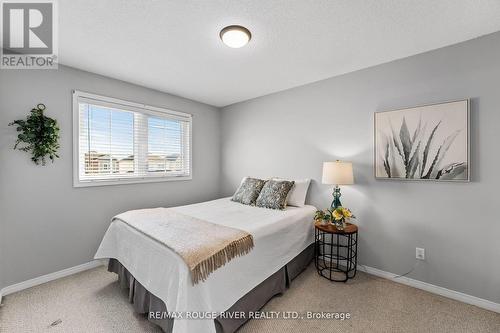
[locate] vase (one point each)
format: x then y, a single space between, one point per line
340 224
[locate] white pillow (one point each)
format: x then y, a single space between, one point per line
297 195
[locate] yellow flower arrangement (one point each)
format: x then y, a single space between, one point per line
340 216
337 217
341 213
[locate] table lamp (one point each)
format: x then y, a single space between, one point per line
337 173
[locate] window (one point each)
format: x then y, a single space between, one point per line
118 142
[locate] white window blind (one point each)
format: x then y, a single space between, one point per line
118 142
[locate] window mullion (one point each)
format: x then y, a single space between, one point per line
140 144
110 142
185 145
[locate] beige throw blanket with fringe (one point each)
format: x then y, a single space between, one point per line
204 246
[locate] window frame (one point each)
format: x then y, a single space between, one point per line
127 106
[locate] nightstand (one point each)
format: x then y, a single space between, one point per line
336 251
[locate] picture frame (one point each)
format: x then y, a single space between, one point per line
428 142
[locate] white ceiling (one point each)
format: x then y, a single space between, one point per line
174 45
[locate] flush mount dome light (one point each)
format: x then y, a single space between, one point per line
235 36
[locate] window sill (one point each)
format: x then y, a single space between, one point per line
91 183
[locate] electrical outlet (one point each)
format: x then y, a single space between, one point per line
420 253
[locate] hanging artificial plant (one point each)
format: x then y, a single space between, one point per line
39 135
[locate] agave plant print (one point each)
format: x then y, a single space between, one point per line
427 143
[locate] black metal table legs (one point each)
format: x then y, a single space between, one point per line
336 255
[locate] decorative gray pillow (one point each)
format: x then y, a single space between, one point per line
274 194
248 191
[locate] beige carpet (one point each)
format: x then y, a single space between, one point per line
93 302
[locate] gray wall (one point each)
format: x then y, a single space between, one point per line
47 225
291 133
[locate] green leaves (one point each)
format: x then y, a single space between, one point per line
38 134
323 215
404 135
408 155
452 171
427 147
432 173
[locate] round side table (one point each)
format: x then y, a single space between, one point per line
336 251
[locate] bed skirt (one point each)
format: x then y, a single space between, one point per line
144 302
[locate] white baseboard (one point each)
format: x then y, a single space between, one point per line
482 303
49 277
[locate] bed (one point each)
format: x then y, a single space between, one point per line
159 280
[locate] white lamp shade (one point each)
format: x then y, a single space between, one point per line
337 173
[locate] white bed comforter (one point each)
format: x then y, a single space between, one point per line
279 236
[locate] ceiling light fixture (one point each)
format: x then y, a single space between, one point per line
235 36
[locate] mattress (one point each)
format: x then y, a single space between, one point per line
279 236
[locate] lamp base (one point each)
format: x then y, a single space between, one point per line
336 198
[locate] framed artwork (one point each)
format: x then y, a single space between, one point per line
429 142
